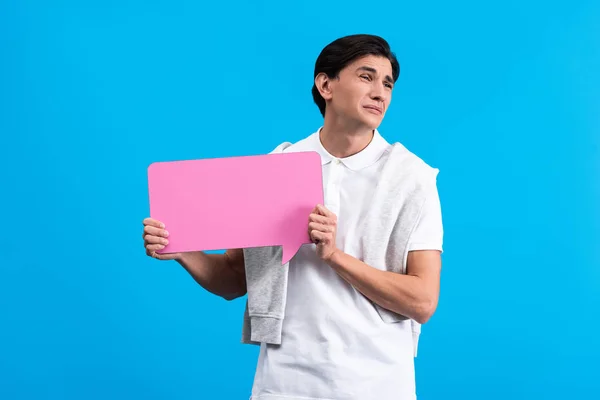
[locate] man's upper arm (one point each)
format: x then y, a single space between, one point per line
427 265
426 245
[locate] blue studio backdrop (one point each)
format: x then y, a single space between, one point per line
502 97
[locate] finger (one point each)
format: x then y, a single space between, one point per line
150 230
318 236
154 254
319 227
312 237
316 210
154 247
154 223
321 219
151 239
324 211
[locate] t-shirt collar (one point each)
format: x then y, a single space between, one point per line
364 158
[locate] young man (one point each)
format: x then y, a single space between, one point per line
334 343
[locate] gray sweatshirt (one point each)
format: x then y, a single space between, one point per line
393 215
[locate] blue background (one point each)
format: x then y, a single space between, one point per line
502 97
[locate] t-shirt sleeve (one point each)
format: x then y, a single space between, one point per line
429 231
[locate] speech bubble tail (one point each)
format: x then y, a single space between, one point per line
289 251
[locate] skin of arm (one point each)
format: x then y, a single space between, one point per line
414 294
220 274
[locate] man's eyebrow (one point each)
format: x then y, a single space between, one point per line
374 71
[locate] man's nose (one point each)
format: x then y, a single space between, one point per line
378 92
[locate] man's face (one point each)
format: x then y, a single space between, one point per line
363 91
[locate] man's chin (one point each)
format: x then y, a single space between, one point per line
372 123
370 120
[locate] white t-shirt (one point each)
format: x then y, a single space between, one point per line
334 344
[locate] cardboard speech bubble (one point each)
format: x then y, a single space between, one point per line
236 202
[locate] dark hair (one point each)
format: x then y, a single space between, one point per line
343 51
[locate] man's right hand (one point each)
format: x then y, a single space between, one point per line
155 239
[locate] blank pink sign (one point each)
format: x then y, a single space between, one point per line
236 202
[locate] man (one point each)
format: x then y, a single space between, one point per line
334 344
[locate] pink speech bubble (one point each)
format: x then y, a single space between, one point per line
236 202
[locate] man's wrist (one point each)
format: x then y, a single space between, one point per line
334 258
181 258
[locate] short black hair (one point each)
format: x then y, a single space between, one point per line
345 50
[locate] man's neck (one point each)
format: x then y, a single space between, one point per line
344 140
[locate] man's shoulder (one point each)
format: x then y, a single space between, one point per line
411 167
408 159
304 144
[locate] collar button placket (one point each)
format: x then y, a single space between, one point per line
333 187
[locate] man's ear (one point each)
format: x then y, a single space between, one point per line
323 85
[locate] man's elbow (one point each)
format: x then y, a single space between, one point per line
233 296
425 311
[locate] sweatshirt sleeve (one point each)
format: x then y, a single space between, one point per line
281 148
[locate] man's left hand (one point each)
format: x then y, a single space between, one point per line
322 228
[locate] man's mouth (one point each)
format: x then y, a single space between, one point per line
374 109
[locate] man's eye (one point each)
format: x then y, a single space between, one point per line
367 77
389 85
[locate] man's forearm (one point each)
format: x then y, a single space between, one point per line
403 294
214 273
